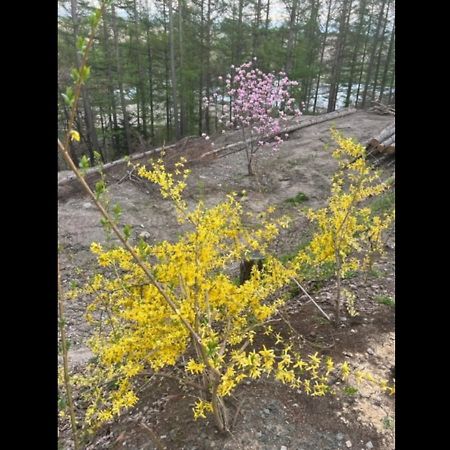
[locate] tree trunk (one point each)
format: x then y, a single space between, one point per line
380 52
200 88
183 112
173 73
370 67
150 75
239 37
355 51
310 37
387 64
339 55
266 26
208 67
126 119
391 88
291 37
110 86
141 92
256 26
363 59
322 55
166 67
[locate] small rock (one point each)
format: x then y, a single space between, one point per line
370 351
144 235
348 444
353 331
339 436
350 355
295 405
87 205
369 445
283 447
258 434
172 434
213 444
266 411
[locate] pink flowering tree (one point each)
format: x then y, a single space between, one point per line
260 103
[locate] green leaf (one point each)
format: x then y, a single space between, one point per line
143 248
69 96
84 162
97 158
85 71
81 43
105 224
117 211
127 231
75 74
100 188
94 19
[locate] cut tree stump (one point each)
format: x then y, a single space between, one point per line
247 266
383 143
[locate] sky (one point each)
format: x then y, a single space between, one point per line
278 13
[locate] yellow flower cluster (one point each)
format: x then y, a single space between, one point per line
346 227
171 185
350 298
200 408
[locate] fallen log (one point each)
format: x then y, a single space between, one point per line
390 150
387 147
312 120
90 173
385 133
389 140
383 140
380 108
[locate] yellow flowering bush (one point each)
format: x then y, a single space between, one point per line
348 233
136 327
214 320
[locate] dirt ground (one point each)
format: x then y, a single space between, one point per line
272 416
